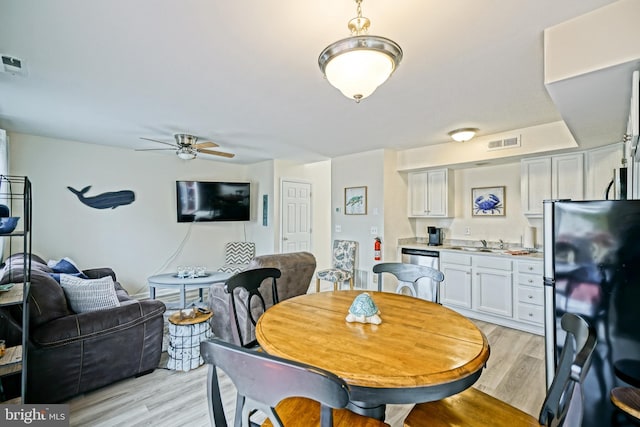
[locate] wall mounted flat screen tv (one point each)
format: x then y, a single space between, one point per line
202 201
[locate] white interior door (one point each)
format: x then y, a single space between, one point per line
296 216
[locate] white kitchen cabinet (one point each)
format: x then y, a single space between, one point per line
430 193
535 184
530 289
550 177
492 285
499 289
600 164
567 176
455 290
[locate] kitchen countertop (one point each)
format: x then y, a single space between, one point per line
457 248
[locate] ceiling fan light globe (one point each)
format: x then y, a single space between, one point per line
186 154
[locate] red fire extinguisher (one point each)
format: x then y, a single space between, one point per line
377 252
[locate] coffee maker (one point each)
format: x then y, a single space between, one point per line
435 236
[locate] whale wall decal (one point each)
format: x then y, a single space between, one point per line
109 200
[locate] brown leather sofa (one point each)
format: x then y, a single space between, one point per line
71 353
297 270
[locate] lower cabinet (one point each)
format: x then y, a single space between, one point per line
496 289
530 290
493 285
455 290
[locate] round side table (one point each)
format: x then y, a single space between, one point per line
185 335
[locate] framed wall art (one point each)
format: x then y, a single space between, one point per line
488 201
355 201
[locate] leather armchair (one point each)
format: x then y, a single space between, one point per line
71 353
297 270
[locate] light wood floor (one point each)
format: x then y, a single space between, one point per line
514 373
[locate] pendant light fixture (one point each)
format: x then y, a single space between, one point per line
359 64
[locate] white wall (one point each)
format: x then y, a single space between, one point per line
319 176
263 175
508 228
135 240
534 140
396 222
363 169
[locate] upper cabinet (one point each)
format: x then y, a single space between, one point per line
550 177
430 193
567 176
535 184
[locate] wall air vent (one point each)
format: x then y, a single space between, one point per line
12 65
501 144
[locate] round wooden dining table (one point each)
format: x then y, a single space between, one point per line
420 352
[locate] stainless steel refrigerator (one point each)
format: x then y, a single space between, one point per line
592 268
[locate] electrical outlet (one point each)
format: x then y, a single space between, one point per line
338 229
375 279
374 231
467 231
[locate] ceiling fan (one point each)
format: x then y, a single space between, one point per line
187 147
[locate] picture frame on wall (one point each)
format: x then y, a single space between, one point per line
355 201
488 201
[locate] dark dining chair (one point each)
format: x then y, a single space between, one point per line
253 305
562 405
409 275
288 393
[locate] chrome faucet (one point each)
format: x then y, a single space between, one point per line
484 243
501 245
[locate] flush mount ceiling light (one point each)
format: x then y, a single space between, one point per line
359 64
463 135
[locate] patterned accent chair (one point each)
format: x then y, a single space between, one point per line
344 264
237 256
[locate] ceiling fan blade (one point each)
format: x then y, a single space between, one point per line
217 153
154 149
205 144
161 142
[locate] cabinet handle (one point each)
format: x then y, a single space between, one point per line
530 268
530 296
530 314
530 280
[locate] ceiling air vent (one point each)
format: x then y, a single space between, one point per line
501 144
12 65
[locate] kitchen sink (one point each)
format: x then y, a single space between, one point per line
476 249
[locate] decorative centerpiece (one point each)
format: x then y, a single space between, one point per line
364 310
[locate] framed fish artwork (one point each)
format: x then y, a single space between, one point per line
355 201
488 201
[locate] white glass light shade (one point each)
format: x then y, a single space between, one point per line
186 154
358 65
463 135
358 73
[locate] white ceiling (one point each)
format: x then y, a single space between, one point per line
245 75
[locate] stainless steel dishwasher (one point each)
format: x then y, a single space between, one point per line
425 287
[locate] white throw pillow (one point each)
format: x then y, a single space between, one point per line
89 294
